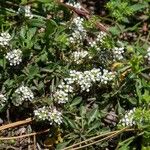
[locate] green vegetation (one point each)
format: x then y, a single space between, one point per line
78 74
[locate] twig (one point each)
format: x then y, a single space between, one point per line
38 146
83 12
93 138
34 141
18 123
29 139
90 139
110 136
23 136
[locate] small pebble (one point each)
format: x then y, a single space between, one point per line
1 121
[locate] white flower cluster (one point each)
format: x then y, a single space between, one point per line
107 76
4 39
84 80
148 55
128 119
14 57
23 93
79 33
117 52
26 10
48 113
78 56
76 5
2 100
61 95
99 40
101 36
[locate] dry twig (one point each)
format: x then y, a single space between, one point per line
108 135
15 124
25 135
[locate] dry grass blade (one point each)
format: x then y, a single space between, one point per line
101 140
34 141
109 135
25 135
18 123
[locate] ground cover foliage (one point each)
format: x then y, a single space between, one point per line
77 72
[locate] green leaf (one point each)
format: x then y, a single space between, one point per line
70 122
82 111
76 101
94 126
139 6
9 83
44 57
3 63
62 145
31 32
93 114
33 70
45 1
36 23
23 32
146 96
114 30
125 144
51 26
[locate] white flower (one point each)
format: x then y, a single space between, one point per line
14 57
55 116
2 100
23 93
101 36
93 44
107 76
4 39
41 114
99 40
79 33
87 78
148 55
48 113
78 56
128 119
65 87
61 97
118 53
26 11
76 5
84 80
62 93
